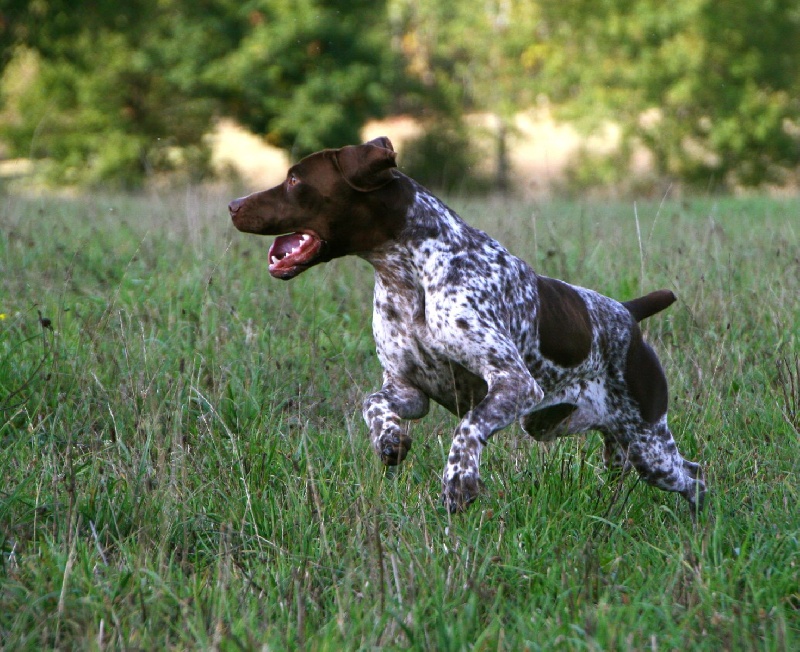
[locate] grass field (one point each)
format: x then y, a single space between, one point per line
184 464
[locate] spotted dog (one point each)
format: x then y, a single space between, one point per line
459 320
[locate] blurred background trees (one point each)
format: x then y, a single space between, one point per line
107 92
710 87
112 92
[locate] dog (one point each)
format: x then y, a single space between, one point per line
460 320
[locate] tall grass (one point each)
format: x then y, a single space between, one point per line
184 464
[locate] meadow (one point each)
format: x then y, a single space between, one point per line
183 463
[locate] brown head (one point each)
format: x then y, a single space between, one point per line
333 203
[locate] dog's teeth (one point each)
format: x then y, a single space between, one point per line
274 260
305 237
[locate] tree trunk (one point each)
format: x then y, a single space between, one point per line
503 167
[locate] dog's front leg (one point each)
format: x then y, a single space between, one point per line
384 412
511 394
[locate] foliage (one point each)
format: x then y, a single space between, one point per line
471 55
475 54
307 74
134 90
443 157
112 97
110 127
710 88
185 465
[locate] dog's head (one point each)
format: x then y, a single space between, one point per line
333 203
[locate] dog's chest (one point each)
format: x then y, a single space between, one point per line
407 350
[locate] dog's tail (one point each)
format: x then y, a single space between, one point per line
649 304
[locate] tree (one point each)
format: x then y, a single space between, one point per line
710 87
308 73
124 90
113 97
472 54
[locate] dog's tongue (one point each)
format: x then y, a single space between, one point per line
288 252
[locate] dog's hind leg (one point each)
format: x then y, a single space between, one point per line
653 453
615 454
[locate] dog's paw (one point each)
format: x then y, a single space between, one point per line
392 445
695 491
460 490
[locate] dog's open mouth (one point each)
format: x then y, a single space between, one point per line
291 254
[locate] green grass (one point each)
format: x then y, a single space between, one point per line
184 464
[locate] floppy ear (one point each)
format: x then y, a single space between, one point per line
369 166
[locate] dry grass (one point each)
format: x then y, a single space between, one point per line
541 149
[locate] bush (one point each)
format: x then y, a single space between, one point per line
444 159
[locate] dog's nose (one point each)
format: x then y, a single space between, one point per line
234 206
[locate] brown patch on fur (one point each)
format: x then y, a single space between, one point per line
645 378
544 420
565 332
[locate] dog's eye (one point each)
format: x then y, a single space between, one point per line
292 181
